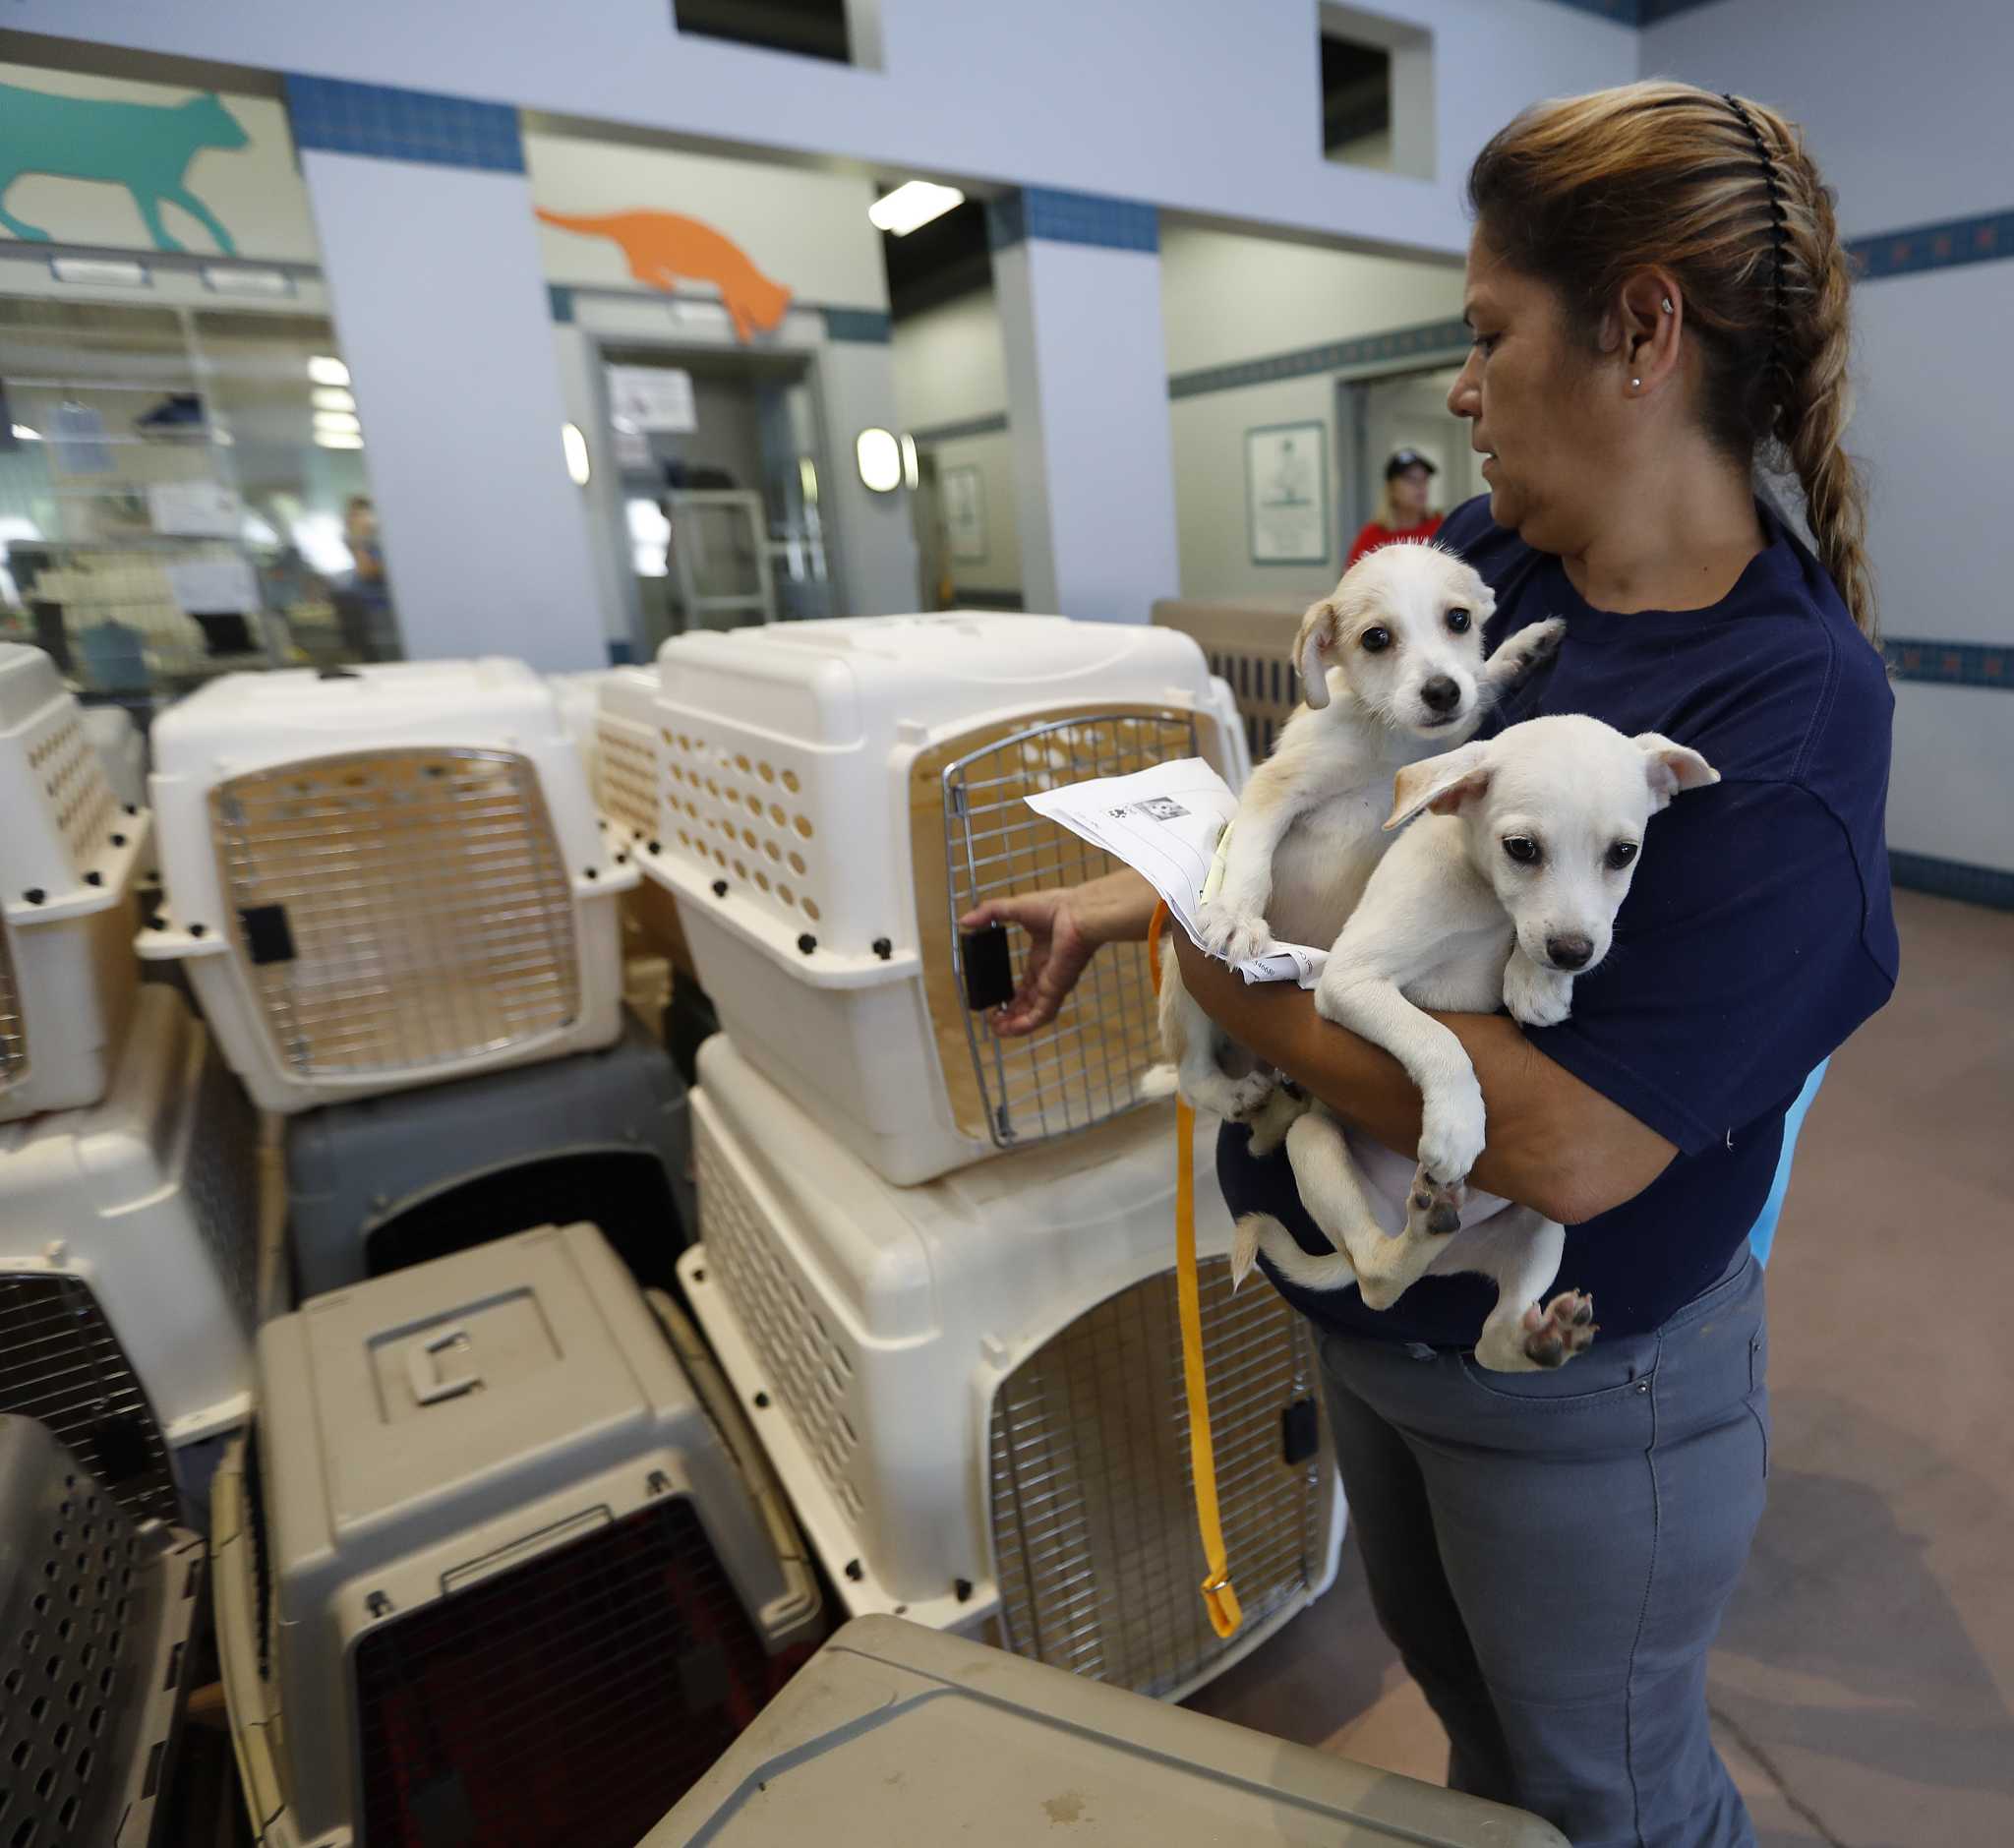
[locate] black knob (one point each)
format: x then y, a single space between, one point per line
761 1402
156 922
963 1586
93 878
807 943
622 860
720 888
34 895
883 948
593 874
653 847
131 808
118 840
853 1570
198 930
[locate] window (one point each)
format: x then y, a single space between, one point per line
808 28
1376 93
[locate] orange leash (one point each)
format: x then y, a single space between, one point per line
1218 1595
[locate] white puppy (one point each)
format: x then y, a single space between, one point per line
1505 892
1393 666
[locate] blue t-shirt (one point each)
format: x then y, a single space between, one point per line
1758 934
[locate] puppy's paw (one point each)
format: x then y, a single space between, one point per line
1251 1094
1535 996
1527 649
1451 1137
1233 934
1563 1328
1433 1208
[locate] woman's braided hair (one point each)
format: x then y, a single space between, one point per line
1721 192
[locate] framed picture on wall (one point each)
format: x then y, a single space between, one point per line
1286 494
964 494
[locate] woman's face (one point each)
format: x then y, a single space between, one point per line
1409 495
1530 390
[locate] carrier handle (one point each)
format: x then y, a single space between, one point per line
429 1382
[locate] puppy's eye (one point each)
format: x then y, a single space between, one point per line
1458 621
1376 640
1620 856
1522 849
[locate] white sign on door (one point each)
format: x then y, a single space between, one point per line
652 397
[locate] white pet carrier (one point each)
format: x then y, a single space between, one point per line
130 1260
67 853
834 796
972 1389
487 1569
385 876
96 1617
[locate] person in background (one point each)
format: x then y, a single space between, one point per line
363 599
1402 512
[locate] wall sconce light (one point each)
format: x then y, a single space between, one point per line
574 443
880 458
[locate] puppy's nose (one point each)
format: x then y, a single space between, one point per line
1568 952
1441 693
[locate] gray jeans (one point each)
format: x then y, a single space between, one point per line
1551 1552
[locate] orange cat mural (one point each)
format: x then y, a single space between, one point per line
662 246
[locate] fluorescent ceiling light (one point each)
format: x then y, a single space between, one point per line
343 423
328 397
326 371
880 460
912 204
575 446
338 439
23 434
100 272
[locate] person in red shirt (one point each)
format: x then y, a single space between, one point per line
1402 512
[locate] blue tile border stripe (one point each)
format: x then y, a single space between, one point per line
341 118
988 425
869 326
1946 246
1952 879
1990 665
1434 340
1634 12
561 300
1042 212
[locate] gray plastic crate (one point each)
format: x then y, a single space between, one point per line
381 1184
96 1617
893 1733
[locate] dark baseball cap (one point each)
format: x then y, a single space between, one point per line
1403 459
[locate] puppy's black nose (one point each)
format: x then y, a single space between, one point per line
1441 693
1568 952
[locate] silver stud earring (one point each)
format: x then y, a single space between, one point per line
1636 385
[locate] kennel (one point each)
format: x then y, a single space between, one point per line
834 795
69 850
893 1723
487 1569
385 876
97 1614
387 1182
130 1279
972 1389
1251 647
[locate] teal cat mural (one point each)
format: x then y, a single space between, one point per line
143 147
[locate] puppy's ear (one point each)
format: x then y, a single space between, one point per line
1315 650
1442 784
1672 770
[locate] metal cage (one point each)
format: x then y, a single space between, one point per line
1091 1503
398 910
13 1029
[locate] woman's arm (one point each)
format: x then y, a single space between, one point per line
1555 1143
1064 928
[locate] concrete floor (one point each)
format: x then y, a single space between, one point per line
1863 1689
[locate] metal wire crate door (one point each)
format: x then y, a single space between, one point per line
971 827
398 909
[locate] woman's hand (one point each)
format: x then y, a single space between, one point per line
1065 928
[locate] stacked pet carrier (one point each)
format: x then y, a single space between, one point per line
1251 647
952 1314
489 1569
392 896
129 1232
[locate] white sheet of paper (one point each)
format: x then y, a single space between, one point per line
195 509
212 586
1163 823
653 397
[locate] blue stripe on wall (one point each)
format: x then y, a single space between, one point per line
1434 341
1634 12
989 426
1946 246
1042 212
869 326
403 125
1952 879
1951 663
561 299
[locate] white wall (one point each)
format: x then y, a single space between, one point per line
1907 117
1195 105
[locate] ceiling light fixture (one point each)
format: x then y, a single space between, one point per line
912 204
328 397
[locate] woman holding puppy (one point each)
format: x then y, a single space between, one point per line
1659 298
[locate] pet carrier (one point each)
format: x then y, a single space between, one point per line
392 1181
487 1571
97 1617
385 876
121 749
67 853
1251 645
130 1280
895 1734
972 1389
833 796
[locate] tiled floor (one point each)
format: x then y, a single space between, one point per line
1864 1685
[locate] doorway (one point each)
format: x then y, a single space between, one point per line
1408 411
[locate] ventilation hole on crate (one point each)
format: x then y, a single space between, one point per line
812 909
762 879
802 826
684 742
96 1722
741 764
732 795
766 771
740 869
712 787
772 850
68 1814
21 1751
785 893
721 858
684 839
797 863
777 814
790 781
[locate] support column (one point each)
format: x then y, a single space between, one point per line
1078 282
429 247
